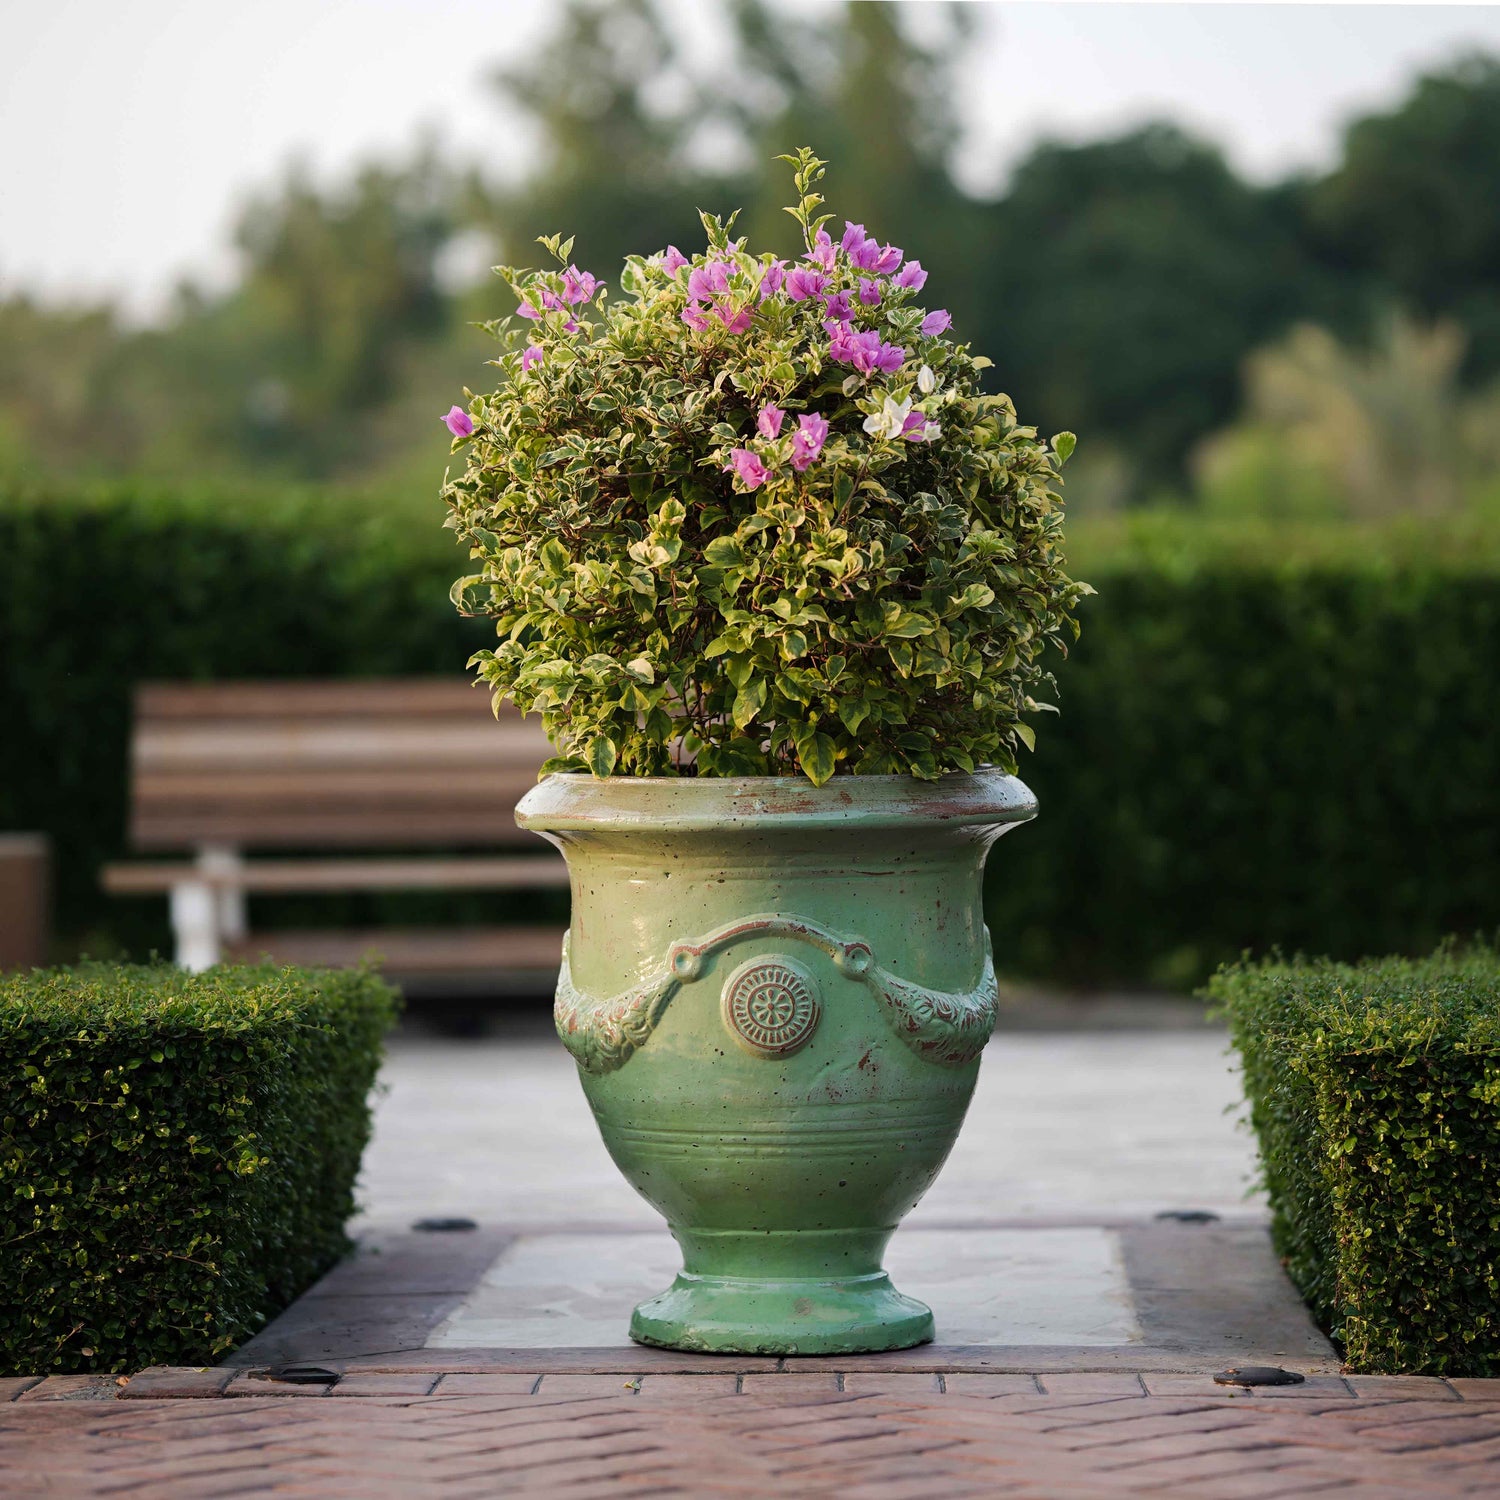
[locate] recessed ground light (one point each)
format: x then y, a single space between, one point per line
299 1375
1189 1216
444 1226
1258 1375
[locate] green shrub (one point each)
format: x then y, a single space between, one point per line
752 520
178 1154
1375 1092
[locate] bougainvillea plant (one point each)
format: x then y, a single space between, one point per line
756 518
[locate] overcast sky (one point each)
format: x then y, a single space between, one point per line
129 132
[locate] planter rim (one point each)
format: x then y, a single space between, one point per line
688 804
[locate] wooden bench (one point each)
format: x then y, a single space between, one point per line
302 768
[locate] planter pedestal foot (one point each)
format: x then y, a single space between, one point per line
752 1315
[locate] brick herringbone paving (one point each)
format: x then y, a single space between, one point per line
182 1435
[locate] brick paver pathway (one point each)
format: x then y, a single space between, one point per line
177 1434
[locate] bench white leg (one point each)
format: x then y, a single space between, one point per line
223 861
233 921
195 924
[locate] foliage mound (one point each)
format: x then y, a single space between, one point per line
758 518
178 1154
1375 1091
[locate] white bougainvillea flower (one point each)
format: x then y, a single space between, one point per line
890 420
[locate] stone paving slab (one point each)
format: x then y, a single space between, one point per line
854 1433
1200 1296
170 1382
987 1285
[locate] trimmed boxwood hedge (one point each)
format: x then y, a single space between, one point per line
1375 1091
1266 736
177 1154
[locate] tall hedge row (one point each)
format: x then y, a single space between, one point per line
1258 754
1252 749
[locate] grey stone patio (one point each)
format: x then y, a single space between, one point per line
1043 1245
1066 1127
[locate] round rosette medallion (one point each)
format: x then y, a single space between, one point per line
771 1006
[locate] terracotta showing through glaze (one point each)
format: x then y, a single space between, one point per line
777 995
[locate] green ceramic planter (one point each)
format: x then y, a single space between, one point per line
777 996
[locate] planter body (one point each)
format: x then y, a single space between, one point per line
777 996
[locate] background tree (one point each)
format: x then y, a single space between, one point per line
1119 285
1414 206
52 364
615 115
1127 279
1362 431
338 290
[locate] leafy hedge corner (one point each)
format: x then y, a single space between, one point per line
1375 1091
177 1154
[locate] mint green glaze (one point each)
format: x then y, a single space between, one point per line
777 995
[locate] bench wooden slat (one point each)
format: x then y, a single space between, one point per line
354 828
427 951
380 696
324 785
388 763
314 743
288 876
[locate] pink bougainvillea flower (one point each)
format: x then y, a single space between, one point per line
839 308
865 351
919 428
869 291
802 284
911 277
530 355
695 316
527 310
578 286
823 251
768 422
672 259
709 281
807 440
936 322
771 282
550 300
459 422
888 259
865 255
735 322
854 236
842 342
751 471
